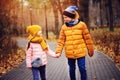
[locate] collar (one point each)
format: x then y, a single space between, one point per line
72 23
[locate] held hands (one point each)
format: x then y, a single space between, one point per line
29 67
46 50
52 53
58 55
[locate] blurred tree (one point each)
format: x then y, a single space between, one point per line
83 10
6 41
55 11
110 15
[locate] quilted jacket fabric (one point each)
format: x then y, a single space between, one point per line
76 40
35 51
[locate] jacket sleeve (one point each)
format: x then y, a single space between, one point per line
61 41
87 39
28 57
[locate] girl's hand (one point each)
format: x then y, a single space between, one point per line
46 51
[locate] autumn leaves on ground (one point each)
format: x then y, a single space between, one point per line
105 41
11 56
108 43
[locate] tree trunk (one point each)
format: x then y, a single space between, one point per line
55 11
60 9
85 12
111 15
101 22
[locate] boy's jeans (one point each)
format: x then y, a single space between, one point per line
39 73
81 65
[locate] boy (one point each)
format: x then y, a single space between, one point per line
75 36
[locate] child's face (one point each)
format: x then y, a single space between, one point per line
39 33
67 19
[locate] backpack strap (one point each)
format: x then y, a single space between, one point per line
29 42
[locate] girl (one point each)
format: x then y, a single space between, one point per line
37 48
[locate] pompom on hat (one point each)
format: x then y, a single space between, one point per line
71 12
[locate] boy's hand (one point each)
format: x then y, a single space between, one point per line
90 53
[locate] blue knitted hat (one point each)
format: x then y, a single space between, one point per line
70 11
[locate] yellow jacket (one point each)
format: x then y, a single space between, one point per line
72 39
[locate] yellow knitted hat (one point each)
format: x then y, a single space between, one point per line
33 29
